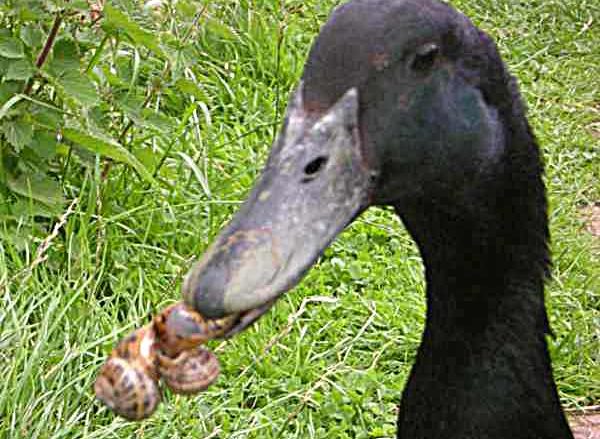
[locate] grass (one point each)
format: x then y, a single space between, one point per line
331 358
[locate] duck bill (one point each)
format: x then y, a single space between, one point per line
315 182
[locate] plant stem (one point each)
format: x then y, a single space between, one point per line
39 62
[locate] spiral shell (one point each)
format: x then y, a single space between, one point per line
168 348
128 381
180 328
189 372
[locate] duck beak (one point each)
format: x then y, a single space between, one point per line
315 183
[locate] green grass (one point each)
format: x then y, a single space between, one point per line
331 358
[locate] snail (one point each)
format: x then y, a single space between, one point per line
182 364
167 349
128 381
189 372
179 328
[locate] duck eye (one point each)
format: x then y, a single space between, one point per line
425 58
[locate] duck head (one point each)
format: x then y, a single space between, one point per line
393 109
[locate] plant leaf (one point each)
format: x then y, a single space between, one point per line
6 106
39 187
19 70
188 87
65 58
80 88
108 148
216 27
31 36
31 207
11 48
115 20
18 133
44 144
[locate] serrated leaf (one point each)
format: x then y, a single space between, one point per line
19 70
115 20
44 144
8 90
113 80
11 47
18 133
186 9
46 117
215 27
31 36
188 87
148 158
16 237
39 187
4 63
30 12
61 5
80 88
158 121
8 105
108 148
65 58
29 208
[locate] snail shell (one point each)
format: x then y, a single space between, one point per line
189 372
179 328
128 381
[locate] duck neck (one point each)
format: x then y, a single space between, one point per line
483 368
482 269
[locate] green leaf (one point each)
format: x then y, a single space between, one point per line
216 27
158 121
61 5
30 11
46 117
148 157
186 9
30 208
16 237
6 106
188 87
31 36
8 90
80 88
20 70
18 133
4 63
65 58
38 187
44 144
11 47
108 148
115 20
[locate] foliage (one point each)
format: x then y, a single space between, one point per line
76 82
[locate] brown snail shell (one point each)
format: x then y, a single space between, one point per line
128 381
189 372
179 328
168 348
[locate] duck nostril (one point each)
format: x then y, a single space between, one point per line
315 165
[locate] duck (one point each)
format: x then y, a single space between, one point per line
406 103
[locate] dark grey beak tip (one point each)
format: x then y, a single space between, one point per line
206 293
